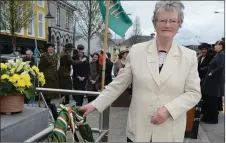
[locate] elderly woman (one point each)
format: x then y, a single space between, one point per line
165 81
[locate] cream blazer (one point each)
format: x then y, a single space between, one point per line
177 88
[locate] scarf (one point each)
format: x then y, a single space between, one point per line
70 117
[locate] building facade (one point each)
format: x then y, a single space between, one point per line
61 26
25 39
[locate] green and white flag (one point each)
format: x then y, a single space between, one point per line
118 20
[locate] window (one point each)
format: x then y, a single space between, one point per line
67 20
58 16
40 3
30 28
41 25
3 23
20 30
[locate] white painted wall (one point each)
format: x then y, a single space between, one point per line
94 44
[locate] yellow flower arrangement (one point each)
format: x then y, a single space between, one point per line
3 66
18 77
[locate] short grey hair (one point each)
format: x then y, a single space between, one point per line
169 5
30 51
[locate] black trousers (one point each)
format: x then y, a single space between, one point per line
48 101
91 98
220 105
67 99
79 85
129 140
210 105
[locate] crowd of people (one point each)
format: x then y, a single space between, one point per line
73 70
211 68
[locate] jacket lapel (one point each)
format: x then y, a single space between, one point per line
152 61
171 63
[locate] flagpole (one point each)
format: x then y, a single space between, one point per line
34 22
105 44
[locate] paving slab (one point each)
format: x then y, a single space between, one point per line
215 132
21 126
118 120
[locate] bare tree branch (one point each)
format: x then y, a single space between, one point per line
136 32
89 20
15 16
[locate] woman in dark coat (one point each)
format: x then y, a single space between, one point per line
48 65
93 82
213 85
203 63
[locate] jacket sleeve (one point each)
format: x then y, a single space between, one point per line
191 95
220 64
86 74
115 88
42 64
116 68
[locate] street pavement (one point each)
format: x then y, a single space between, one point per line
117 129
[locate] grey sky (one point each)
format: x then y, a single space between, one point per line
200 20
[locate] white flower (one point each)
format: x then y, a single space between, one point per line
25 72
11 62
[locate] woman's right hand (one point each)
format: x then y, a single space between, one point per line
87 109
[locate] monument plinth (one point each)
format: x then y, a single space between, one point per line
21 126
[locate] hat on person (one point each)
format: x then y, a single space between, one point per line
48 44
204 45
80 47
69 46
124 50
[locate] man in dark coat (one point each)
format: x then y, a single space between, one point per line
80 74
29 57
109 66
48 65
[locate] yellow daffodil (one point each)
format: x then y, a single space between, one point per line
3 66
20 83
26 78
5 76
35 69
12 71
20 74
14 78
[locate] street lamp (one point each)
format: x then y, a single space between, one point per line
216 12
49 17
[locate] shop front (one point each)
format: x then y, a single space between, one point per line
22 44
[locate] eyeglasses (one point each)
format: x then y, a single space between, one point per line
164 21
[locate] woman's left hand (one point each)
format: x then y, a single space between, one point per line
161 115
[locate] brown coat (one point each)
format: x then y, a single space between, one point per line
117 66
64 71
48 65
94 74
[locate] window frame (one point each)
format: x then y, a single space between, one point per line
58 16
32 28
42 4
43 24
21 32
67 20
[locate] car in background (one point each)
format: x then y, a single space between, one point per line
5 57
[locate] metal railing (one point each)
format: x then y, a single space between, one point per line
103 117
